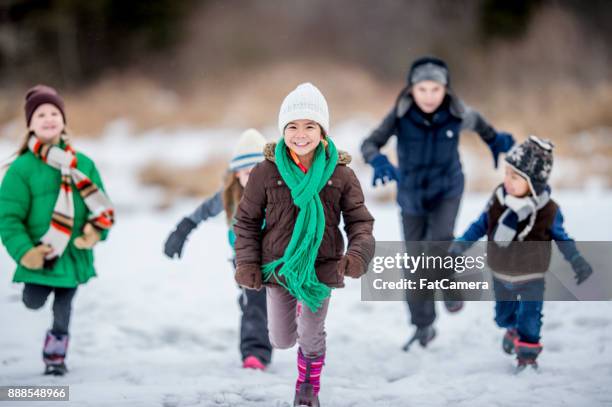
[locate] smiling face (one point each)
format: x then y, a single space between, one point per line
47 123
302 136
428 95
515 184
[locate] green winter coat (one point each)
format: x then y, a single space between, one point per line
28 194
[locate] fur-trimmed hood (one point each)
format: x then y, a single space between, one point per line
344 158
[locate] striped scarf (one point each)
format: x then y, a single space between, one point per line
517 210
62 221
297 263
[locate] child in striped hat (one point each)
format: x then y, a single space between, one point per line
521 210
53 211
254 343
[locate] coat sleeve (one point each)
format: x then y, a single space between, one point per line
15 199
379 137
96 179
358 222
566 245
477 229
473 120
209 208
250 216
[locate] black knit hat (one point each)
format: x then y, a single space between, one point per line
429 68
533 160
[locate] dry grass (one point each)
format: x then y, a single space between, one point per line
553 82
198 181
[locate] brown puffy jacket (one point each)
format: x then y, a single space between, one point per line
266 196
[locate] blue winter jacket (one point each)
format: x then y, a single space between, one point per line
427 149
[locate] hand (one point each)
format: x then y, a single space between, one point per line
501 143
351 266
582 269
176 240
88 239
34 258
383 170
249 276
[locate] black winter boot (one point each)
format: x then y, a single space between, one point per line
423 334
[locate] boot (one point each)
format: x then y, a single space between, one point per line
252 362
526 354
453 306
54 354
508 342
308 382
423 334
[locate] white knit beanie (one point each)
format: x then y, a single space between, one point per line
304 102
249 151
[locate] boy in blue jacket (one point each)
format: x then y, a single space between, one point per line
522 210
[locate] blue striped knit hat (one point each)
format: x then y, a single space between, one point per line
249 151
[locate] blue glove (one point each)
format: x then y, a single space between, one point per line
501 143
383 170
582 269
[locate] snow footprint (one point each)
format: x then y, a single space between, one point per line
592 322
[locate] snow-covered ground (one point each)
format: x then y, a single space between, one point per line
154 332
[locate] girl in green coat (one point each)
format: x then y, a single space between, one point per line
53 210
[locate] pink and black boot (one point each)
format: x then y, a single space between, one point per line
308 382
54 354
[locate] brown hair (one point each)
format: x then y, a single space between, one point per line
24 144
232 192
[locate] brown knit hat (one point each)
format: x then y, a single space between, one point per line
41 94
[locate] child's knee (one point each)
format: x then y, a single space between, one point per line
33 302
283 341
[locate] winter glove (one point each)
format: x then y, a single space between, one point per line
176 240
501 143
383 170
88 239
352 266
582 269
34 259
249 276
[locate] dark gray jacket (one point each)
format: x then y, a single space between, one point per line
209 208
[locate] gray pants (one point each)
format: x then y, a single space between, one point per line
437 225
286 327
35 296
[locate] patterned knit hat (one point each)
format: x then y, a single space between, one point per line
249 151
533 160
39 95
304 102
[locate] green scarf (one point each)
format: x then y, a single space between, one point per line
297 263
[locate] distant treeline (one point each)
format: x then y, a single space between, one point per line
71 42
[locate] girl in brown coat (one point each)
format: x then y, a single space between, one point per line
288 236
